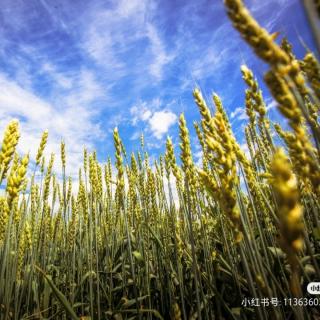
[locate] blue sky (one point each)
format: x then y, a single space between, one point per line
79 68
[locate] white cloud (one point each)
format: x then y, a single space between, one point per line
53 15
277 8
211 58
161 121
271 105
161 58
146 115
239 113
109 34
127 9
174 191
244 147
62 81
198 158
72 124
158 119
136 135
142 111
80 86
86 89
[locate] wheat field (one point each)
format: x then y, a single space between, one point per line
235 238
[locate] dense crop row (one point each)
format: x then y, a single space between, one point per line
122 247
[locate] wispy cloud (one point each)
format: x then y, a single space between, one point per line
62 80
126 30
239 114
36 115
160 56
271 105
